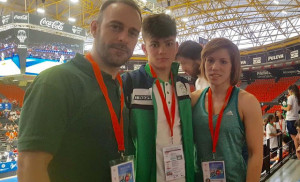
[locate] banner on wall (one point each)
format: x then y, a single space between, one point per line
276 55
46 22
8 166
56 25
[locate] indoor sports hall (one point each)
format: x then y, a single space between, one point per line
36 35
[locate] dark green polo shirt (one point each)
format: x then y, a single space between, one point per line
65 114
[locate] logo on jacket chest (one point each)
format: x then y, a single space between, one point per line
142 97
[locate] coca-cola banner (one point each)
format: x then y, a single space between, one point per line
20 17
56 25
16 17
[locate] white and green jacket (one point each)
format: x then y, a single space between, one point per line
143 121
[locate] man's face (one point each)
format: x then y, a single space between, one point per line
189 66
161 52
117 34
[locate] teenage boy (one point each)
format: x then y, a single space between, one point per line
160 108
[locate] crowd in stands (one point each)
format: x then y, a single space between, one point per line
7 50
53 51
9 119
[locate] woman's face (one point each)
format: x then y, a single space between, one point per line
278 113
218 67
273 120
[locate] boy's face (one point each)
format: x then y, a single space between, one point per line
161 52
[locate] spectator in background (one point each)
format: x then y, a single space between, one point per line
189 56
280 122
271 133
241 118
293 105
66 125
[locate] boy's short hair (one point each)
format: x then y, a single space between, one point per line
159 26
190 50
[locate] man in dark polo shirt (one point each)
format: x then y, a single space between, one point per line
66 128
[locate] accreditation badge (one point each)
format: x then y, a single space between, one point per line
174 162
213 171
122 170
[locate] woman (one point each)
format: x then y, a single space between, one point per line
280 122
271 134
240 119
292 110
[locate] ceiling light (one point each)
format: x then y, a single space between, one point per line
276 2
74 1
71 19
185 19
144 1
168 11
40 10
3 1
284 12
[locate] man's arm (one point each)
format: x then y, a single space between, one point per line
251 114
33 166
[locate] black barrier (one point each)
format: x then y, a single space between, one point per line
268 168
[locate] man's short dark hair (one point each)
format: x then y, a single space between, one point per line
190 50
106 3
159 26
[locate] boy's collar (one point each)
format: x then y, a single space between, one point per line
174 70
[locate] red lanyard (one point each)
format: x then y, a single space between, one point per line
163 100
118 128
215 135
280 124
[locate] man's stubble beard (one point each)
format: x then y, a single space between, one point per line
110 59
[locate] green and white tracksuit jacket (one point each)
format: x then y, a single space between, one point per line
143 121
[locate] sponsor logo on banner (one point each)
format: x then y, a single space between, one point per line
76 30
243 62
20 17
257 60
276 57
264 74
20 46
5 19
291 72
58 25
136 66
8 166
294 54
123 67
21 35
